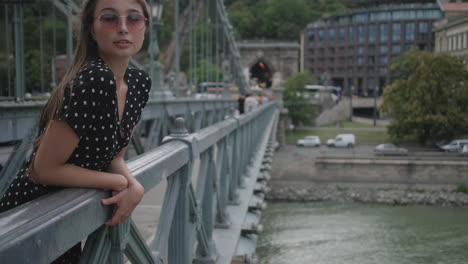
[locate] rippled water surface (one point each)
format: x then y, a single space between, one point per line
349 233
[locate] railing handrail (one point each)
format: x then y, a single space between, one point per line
28 228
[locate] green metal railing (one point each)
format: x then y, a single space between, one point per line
211 176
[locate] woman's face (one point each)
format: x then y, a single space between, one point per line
118 28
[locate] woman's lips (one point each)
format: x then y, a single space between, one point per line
123 44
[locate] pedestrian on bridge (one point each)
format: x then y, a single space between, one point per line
87 123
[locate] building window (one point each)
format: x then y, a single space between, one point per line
464 40
361 33
360 60
371 49
351 32
409 31
383 48
361 49
396 31
372 32
396 48
342 33
408 46
383 70
383 60
383 32
331 34
361 17
460 42
321 34
380 16
423 30
371 59
312 35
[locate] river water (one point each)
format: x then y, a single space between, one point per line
353 233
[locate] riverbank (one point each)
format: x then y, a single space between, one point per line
390 194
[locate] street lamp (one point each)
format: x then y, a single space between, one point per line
158 88
156 9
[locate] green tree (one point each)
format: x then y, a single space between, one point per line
278 19
284 19
204 70
427 97
299 108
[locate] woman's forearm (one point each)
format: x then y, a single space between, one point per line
119 166
68 175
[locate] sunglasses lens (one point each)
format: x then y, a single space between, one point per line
109 19
135 21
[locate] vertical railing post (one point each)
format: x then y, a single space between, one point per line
179 240
235 155
222 218
189 215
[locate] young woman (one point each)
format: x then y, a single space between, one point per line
87 123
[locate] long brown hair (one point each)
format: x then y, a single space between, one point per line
86 51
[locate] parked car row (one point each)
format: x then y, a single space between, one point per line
390 149
341 140
457 145
464 151
349 141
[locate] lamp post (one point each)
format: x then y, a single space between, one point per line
158 88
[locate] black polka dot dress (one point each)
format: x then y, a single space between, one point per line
90 108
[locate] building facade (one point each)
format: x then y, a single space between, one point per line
354 50
451 33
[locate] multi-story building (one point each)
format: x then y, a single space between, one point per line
354 50
451 32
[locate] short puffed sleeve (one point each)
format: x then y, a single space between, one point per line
146 87
84 100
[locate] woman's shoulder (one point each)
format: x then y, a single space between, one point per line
96 70
139 78
95 77
138 75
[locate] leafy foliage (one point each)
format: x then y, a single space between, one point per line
427 97
300 110
204 70
278 19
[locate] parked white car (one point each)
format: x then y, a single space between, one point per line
309 141
464 151
389 149
342 140
455 145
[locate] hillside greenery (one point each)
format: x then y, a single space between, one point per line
278 19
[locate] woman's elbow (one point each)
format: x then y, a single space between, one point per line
37 172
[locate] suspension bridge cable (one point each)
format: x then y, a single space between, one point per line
54 47
190 44
177 44
8 51
41 47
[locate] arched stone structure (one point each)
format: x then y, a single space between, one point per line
278 56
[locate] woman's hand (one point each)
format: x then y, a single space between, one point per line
125 202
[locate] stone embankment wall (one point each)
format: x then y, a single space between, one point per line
392 194
404 171
388 181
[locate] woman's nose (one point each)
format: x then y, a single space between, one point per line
122 26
